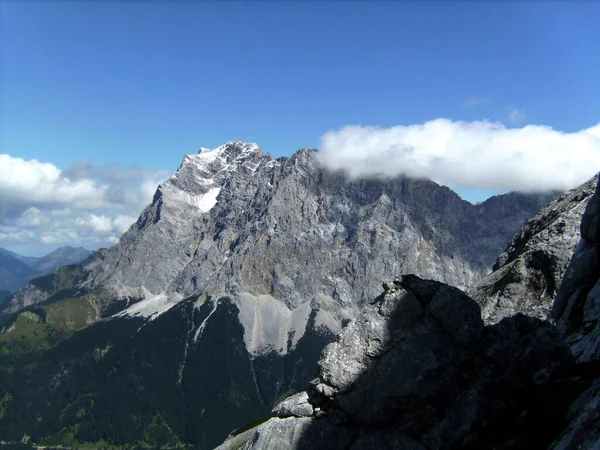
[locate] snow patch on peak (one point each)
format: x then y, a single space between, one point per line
222 159
204 202
244 147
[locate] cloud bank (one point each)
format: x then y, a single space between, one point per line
83 205
470 155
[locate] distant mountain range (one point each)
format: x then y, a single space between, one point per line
17 270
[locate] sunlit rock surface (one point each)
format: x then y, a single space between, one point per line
528 273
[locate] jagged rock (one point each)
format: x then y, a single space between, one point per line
406 339
417 363
278 235
527 274
28 295
295 406
576 310
299 432
576 307
412 371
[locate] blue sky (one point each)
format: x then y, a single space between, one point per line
142 83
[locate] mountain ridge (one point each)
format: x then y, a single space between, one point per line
229 212
16 270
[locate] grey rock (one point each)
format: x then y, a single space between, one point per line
289 229
299 433
528 273
295 406
576 305
28 295
404 368
237 441
399 344
403 374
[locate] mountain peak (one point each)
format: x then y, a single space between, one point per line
233 147
232 153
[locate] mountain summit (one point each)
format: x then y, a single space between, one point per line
285 236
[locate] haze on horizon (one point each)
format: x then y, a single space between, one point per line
100 101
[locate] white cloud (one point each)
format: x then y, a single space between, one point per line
50 239
38 183
477 155
102 224
32 218
83 205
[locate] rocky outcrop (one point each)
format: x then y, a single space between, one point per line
417 369
28 295
577 312
526 276
577 305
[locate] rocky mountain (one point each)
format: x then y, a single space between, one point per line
418 369
49 287
218 301
527 274
16 270
278 235
62 256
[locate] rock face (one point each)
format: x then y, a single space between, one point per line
577 312
28 295
417 369
285 236
527 274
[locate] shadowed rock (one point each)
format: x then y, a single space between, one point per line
417 369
